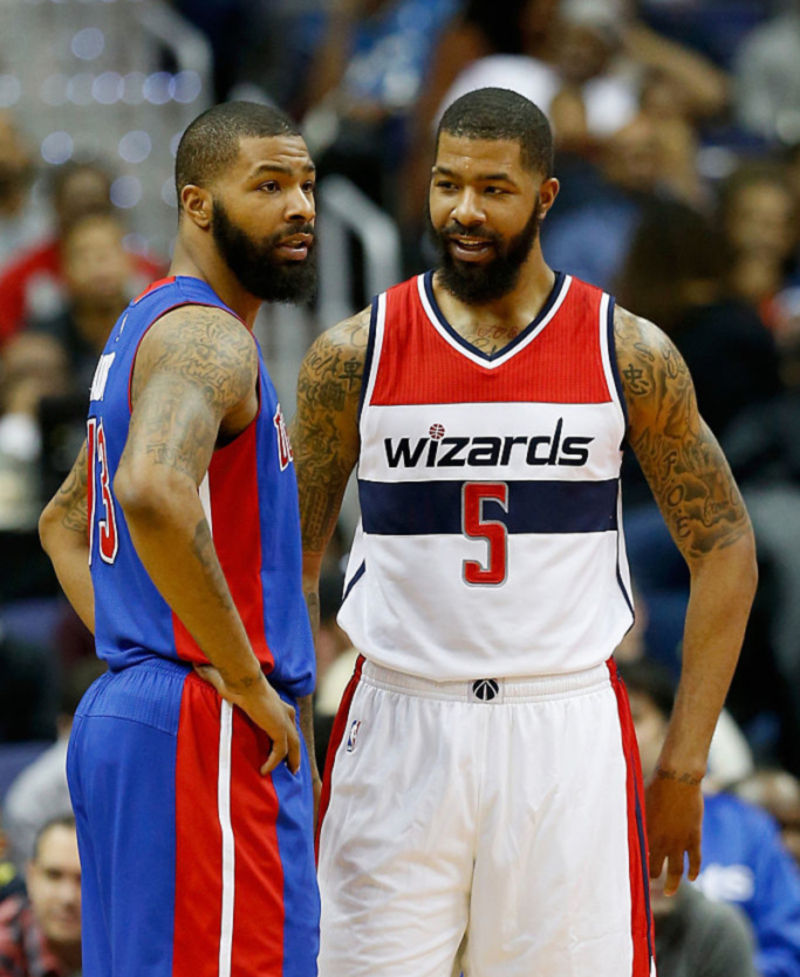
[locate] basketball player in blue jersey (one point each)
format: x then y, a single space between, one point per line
176 538
482 807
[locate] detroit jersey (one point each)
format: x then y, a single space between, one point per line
490 540
249 497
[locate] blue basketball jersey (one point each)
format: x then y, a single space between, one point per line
249 496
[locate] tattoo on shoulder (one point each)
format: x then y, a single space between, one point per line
199 364
679 455
324 431
72 497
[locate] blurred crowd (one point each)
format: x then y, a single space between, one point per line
677 127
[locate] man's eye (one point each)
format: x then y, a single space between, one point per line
495 191
309 187
445 185
271 186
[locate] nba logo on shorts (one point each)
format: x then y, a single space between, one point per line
351 739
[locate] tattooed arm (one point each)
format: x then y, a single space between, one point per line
324 435
701 505
194 386
325 440
64 532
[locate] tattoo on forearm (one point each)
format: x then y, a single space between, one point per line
324 431
312 604
684 778
72 497
679 455
203 546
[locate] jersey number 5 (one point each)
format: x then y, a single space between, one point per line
108 543
474 526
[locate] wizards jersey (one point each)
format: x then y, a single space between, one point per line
490 541
249 497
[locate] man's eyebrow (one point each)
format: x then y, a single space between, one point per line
480 178
280 168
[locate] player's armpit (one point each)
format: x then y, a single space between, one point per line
194 380
324 431
680 457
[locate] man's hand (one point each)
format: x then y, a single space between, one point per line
267 710
674 823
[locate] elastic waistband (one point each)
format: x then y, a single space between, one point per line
490 691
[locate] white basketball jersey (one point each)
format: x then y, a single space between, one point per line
490 541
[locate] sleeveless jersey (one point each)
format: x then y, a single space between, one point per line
490 540
249 497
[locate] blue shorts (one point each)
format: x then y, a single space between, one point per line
193 863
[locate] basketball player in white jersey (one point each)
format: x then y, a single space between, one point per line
483 807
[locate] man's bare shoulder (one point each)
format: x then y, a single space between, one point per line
333 369
203 345
647 358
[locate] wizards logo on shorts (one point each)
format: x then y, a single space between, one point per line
355 726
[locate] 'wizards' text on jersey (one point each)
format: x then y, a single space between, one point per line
490 540
249 497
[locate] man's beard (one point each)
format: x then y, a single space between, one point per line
257 266
480 283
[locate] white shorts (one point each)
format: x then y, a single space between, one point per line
494 827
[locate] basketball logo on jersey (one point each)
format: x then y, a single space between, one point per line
351 738
285 455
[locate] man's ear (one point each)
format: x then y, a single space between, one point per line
198 205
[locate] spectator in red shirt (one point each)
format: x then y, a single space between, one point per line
41 936
32 286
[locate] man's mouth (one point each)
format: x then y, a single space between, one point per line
469 248
296 246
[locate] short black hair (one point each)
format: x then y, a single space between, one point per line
652 679
211 142
498 113
62 821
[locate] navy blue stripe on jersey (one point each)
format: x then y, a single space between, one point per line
373 320
434 507
612 356
504 350
356 577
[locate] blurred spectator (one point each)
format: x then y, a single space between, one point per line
32 286
696 937
40 936
22 223
759 217
744 860
779 793
589 232
767 73
32 367
366 78
40 793
97 274
676 275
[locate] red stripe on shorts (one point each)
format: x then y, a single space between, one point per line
337 735
198 843
641 917
258 914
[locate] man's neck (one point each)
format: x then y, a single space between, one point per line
211 269
493 325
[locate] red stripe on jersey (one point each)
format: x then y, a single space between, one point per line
337 735
153 286
198 845
235 527
258 913
563 364
641 917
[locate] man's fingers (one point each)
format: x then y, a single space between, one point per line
656 862
694 860
674 873
293 759
276 754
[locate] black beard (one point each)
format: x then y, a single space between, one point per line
478 284
257 267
